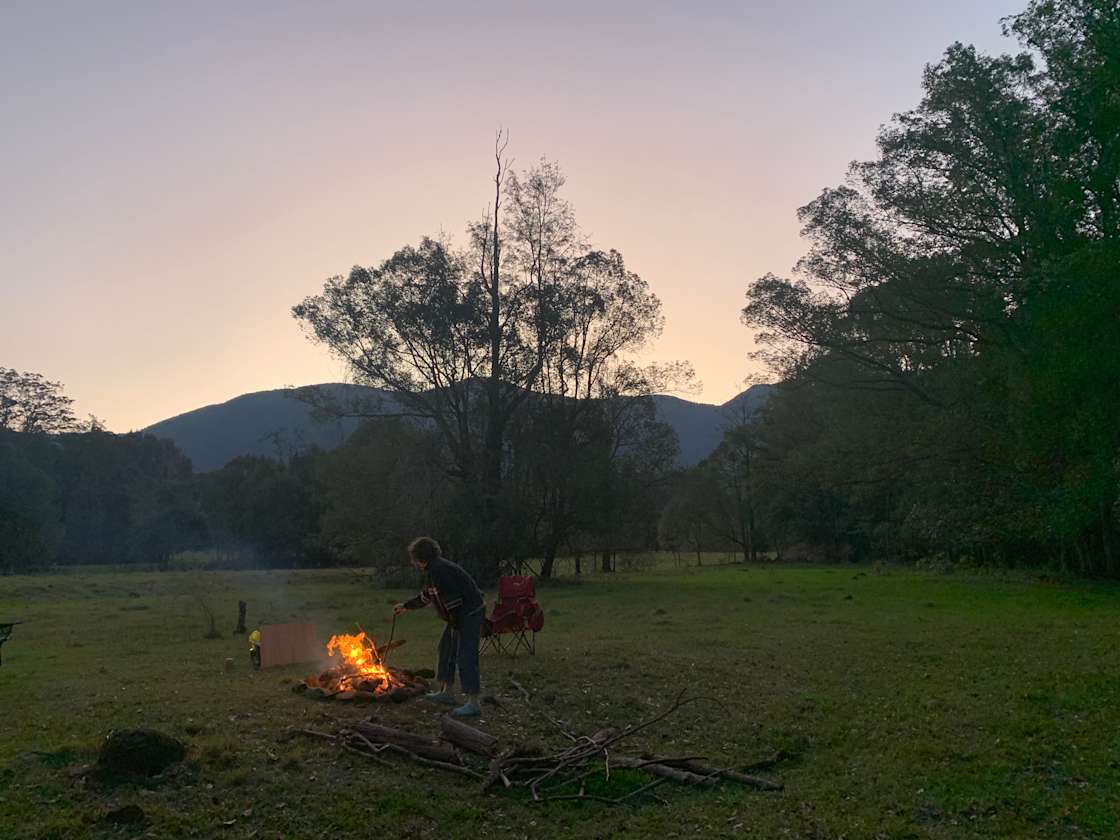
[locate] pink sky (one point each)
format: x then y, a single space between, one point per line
177 176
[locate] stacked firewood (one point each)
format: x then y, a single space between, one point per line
564 774
395 686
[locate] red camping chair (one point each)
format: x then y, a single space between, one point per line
516 618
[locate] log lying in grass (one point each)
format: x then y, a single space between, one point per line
467 737
421 746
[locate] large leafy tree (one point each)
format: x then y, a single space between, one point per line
463 338
964 285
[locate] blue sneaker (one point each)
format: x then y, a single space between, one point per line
441 697
468 709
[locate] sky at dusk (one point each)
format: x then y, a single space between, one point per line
175 176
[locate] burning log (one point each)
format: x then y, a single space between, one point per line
421 746
467 737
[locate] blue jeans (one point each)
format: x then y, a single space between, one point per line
458 648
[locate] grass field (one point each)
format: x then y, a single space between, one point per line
912 705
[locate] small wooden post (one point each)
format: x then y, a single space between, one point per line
241 607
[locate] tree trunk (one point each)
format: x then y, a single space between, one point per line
495 423
240 629
606 561
578 558
1106 539
549 560
752 552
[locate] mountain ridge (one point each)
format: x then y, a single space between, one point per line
275 424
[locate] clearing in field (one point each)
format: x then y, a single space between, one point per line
896 704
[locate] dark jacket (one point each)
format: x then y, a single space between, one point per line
449 588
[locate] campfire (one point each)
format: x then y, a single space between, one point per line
359 672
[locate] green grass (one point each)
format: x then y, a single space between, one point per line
913 705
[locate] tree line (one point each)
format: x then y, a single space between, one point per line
81 495
947 354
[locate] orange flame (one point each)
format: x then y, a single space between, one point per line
358 660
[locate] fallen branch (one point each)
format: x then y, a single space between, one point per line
292 732
694 765
684 777
442 765
426 747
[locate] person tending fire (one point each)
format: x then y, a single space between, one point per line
457 598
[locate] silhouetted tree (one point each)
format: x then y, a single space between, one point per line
956 311
29 403
463 338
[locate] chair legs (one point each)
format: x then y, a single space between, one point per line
512 641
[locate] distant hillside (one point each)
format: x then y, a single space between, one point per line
699 426
268 423
273 424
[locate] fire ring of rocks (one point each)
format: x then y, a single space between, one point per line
360 674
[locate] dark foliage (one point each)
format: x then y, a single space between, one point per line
950 342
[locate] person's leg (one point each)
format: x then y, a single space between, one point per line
470 629
445 669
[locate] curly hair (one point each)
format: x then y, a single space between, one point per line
424 549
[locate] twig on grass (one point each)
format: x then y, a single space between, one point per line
766 763
373 749
370 756
294 731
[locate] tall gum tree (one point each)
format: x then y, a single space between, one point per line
468 338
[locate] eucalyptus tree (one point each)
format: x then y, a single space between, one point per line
466 338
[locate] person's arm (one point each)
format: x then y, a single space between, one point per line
421 600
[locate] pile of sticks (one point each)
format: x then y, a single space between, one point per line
561 775
565 775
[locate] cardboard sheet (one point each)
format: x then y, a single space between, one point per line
287 644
